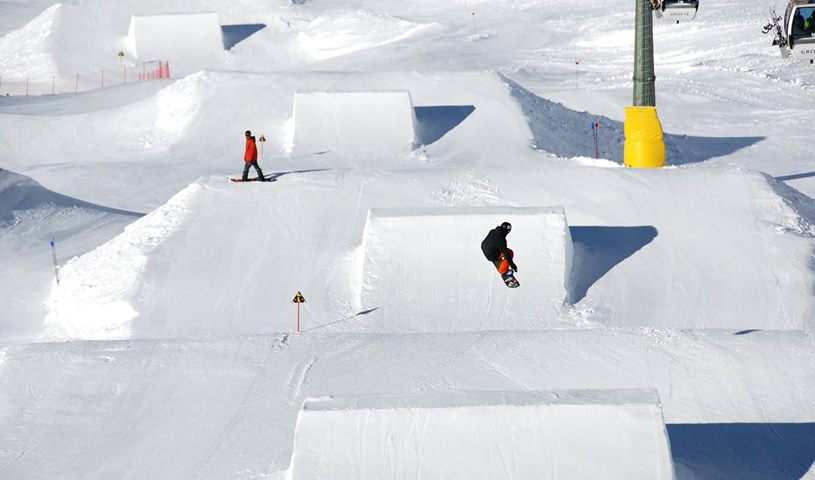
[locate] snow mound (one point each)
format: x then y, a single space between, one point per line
425 267
27 52
354 123
327 37
18 193
95 298
490 435
158 121
30 216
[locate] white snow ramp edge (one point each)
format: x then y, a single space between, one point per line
614 434
354 123
424 271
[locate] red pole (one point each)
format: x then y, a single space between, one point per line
596 146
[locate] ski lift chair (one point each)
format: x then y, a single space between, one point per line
799 25
678 10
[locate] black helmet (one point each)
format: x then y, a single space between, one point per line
506 226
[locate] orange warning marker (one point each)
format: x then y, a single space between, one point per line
298 299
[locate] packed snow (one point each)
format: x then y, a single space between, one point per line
664 319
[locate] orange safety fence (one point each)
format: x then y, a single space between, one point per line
19 85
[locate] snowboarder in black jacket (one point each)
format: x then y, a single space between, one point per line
495 249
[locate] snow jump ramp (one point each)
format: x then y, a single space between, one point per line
424 271
369 124
179 37
598 434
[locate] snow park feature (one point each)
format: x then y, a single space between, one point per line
331 36
484 435
169 348
367 124
441 273
186 38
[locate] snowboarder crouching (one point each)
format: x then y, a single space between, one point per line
495 249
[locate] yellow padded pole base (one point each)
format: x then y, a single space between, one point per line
644 143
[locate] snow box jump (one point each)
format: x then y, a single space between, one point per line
181 37
424 270
484 435
354 123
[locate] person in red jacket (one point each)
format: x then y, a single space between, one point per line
250 158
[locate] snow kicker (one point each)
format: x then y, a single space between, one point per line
494 435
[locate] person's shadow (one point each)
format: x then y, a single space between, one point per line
272 177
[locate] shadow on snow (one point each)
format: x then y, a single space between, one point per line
781 451
19 192
235 34
274 176
599 249
796 176
434 122
568 133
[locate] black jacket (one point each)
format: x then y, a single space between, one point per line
495 244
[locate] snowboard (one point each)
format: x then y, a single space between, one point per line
510 280
247 180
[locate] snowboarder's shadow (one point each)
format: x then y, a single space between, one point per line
599 249
274 176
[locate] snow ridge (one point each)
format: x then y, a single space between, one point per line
94 299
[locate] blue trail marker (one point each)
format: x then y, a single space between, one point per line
54 255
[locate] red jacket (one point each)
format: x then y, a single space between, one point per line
251 154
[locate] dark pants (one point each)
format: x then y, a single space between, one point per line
253 163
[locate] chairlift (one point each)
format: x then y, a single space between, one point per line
799 27
678 10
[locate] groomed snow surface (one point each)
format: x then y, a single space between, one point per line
456 435
663 324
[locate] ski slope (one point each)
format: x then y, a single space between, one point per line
169 348
227 407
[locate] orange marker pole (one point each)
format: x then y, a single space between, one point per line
298 299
